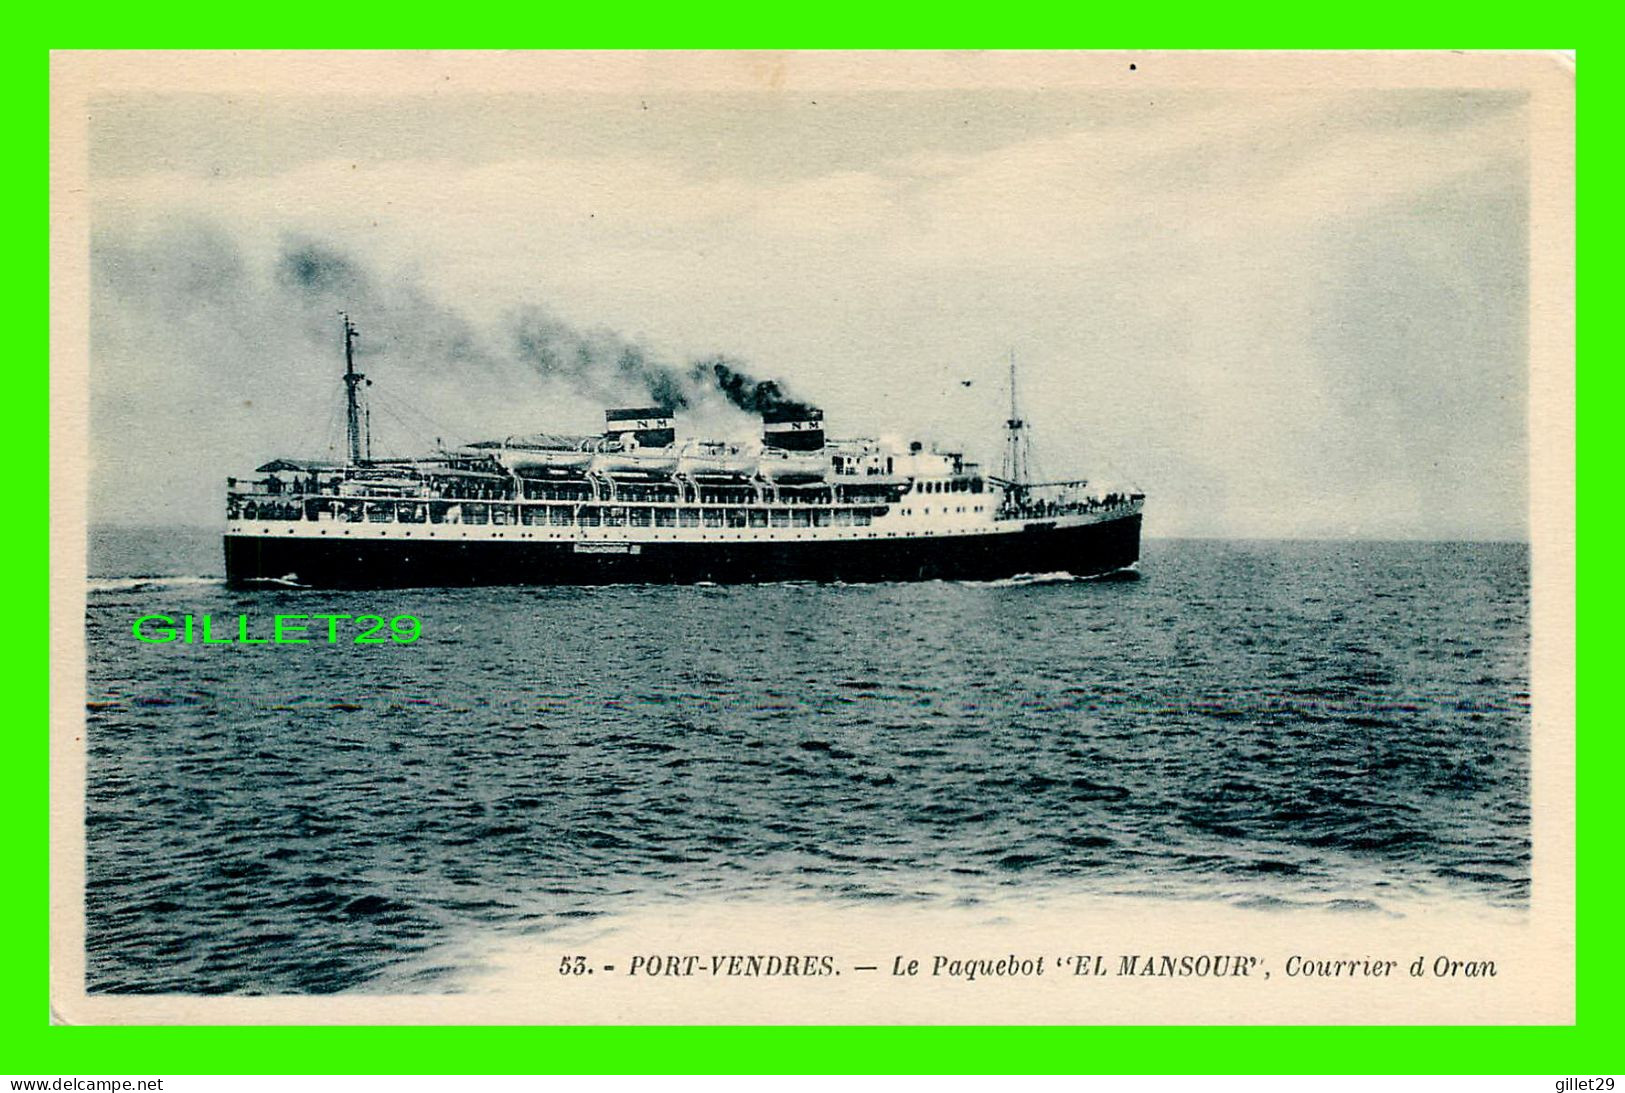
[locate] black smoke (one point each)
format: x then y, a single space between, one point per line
743 390
399 320
599 361
318 269
596 361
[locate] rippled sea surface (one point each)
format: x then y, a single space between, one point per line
1316 726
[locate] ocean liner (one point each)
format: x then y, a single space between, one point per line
640 504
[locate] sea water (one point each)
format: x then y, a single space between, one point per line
1293 727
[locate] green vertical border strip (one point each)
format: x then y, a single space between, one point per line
33 1046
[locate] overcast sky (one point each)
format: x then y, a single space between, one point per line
1280 314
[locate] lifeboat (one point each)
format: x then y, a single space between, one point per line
534 460
793 466
721 463
637 461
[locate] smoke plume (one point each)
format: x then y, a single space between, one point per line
597 362
743 390
234 344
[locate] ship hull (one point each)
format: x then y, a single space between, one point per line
1085 550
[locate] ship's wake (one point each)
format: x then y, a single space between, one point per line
148 584
290 580
1022 580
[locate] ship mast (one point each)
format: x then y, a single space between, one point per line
1018 454
352 399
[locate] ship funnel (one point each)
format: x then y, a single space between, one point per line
793 428
645 426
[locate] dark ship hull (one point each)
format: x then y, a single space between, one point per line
1084 550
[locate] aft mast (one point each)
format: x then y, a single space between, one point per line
1018 456
352 398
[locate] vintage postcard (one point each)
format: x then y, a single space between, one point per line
826 538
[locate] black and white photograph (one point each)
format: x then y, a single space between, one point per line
813 538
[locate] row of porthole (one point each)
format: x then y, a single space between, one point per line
706 539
